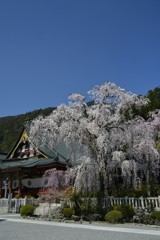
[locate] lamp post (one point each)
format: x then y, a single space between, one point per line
5 188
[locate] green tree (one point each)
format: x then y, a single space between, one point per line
154 97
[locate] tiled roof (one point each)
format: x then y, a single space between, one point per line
28 163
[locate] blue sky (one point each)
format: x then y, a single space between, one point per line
50 49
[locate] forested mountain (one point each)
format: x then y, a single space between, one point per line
11 126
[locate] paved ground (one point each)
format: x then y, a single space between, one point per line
12 227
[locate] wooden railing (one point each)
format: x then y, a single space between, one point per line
142 202
14 204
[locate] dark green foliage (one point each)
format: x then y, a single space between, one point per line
77 200
143 111
154 103
154 97
95 194
156 215
114 216
89 208
158 145
130 192
68 212
133 112
86 207
10 127
127 211
27 210
100 210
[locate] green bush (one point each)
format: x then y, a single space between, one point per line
77 201
114 216
27 210
99 210
131 192
17 196
83 208
86 207
68 212
156 215
127 211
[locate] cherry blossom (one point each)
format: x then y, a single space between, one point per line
99 141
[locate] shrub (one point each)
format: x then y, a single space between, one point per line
127 211
86 207
68 212
114 216
156 215
83 208
99 210
27 210
17 196
76 199
123 192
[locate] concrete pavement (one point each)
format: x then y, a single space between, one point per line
122 231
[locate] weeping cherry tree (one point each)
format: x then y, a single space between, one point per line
103 146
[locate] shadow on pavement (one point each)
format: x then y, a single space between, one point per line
2 219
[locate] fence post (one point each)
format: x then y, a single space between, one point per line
126 200
142 202
9 202
17 205
25 200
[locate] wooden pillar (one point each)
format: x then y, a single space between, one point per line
19 185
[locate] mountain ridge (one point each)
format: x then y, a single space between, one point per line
10 126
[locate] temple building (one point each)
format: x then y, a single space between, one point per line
22 169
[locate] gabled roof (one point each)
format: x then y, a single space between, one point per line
25 154
23 138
